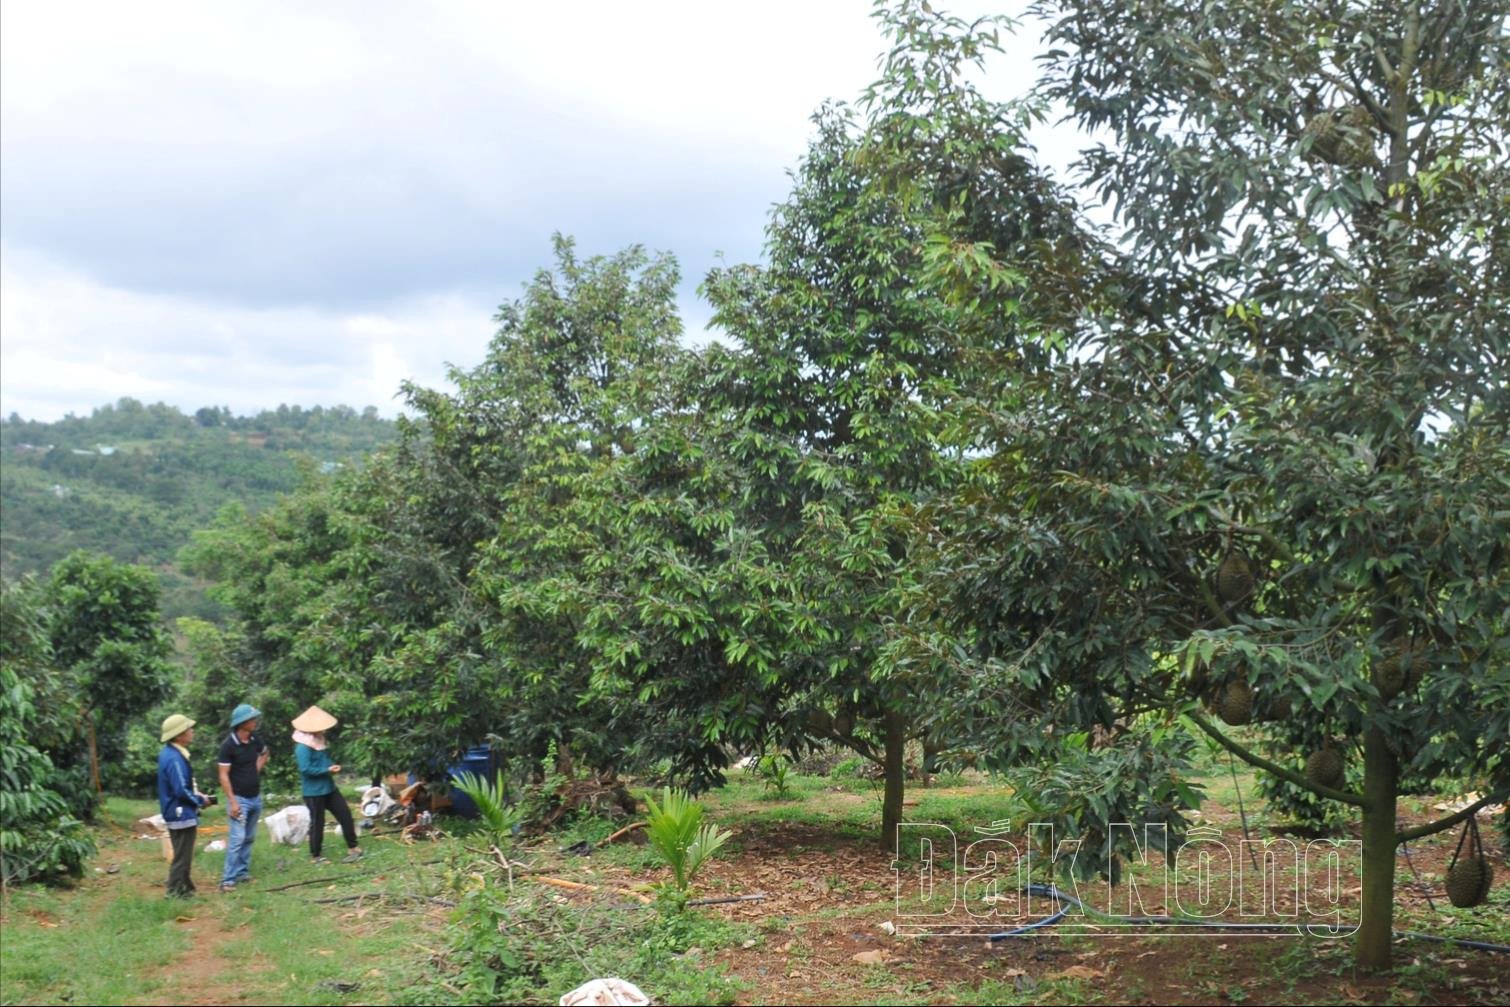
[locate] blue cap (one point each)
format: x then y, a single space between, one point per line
243 713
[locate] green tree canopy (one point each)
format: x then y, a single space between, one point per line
108 640
39 835
1269 466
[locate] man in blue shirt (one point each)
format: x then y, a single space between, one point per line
242 757
179 801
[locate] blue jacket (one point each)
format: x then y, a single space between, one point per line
175 788
314 770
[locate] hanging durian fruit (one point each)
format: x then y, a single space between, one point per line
1469 881
1400 670
1390 675
1234 703
1415 667
819 722
1403 745
1344 137
1469 875
1234 578
1325 768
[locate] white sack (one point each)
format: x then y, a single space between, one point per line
611 992
289 826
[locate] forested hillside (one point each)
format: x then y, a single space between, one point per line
135 480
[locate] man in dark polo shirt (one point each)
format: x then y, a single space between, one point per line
242 756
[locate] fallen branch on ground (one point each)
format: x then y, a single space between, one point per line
578 886
384 896
754 897
316 881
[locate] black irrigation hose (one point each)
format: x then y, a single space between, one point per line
1053 892
1461 942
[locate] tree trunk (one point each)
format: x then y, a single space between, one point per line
1380 773
895 767
94 756
930 759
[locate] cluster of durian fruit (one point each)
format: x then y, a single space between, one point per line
1401 670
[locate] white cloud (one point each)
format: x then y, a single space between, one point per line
247 203
63 352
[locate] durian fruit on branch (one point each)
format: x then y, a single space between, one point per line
1343 137
1325 767
1469 876
1234 578
1400 670
1234 703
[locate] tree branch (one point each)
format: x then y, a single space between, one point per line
1442 824
1260 762
1211 603
859 746
1269 539
1369 102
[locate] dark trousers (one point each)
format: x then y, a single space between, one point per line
337 805
179 882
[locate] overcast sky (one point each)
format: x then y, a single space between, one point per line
249 204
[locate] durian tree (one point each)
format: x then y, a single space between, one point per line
425 598
830 406
503 481
741 566
105 624
1267 471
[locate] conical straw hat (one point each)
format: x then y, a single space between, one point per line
314 720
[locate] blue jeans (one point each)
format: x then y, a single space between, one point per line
238 846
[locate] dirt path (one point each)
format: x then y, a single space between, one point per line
252 946
201 973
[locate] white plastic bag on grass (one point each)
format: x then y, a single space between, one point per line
289 826
611 992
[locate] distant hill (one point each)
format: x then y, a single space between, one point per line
135 480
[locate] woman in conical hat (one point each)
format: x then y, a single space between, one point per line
317 778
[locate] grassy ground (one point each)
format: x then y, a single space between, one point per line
442 923
114 938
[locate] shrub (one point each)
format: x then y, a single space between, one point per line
776 771
526 947
39 837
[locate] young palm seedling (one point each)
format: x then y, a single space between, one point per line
676 829
498 818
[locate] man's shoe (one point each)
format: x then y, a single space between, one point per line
353 856
227 887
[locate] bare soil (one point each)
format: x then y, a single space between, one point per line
828 894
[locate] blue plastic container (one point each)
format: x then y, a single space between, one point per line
478 760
